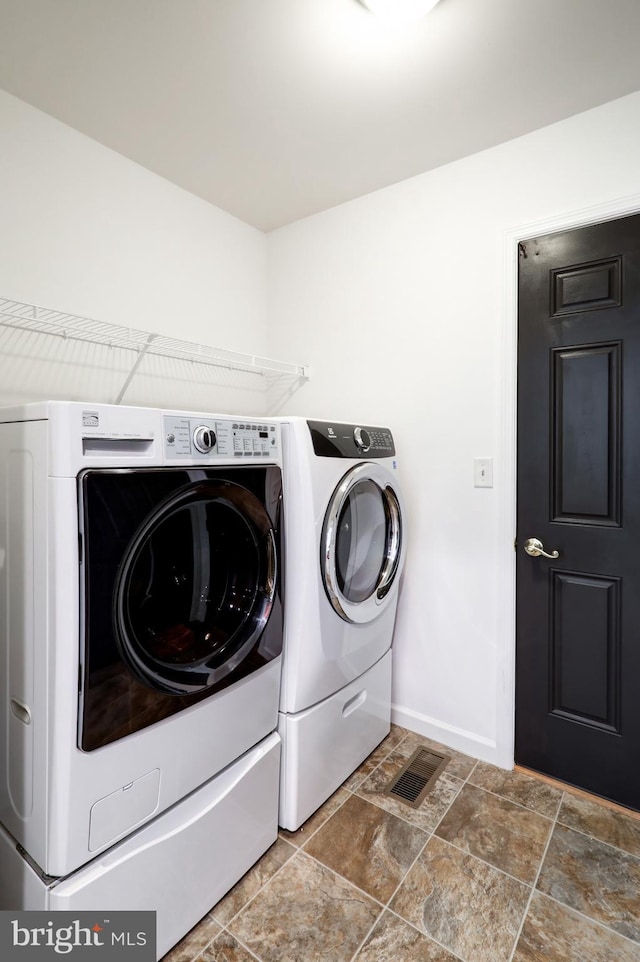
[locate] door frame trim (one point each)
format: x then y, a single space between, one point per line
506 474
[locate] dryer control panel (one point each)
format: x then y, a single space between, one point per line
209 439
334 440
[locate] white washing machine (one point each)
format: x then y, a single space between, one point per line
345 546
141 641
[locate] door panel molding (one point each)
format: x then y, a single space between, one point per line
584 682
581 491
586 287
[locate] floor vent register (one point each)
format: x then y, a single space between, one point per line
416 779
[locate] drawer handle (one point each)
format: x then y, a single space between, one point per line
20 711
354 703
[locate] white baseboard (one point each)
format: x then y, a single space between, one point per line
470 743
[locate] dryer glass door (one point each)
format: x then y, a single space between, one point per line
362 543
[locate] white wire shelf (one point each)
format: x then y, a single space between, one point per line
59 324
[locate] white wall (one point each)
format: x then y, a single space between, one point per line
402 302
85 231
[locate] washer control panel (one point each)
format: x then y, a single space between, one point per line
212 438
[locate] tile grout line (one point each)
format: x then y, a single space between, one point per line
343 878
466 780
198 952
241 943
535 882
425 935
601 841
375 769
367 777
448 808
479 858
571 908
587 918
512 801
255 894
395 892
556 817
404 818
385 906
322 824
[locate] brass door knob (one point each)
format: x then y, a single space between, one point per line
535 548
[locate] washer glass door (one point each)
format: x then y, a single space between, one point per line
362 543
180 582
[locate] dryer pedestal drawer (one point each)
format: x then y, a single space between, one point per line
323 745
179 865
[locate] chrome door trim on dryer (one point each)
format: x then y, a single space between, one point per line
361 603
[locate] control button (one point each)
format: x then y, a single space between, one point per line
204 439
362 439
171 439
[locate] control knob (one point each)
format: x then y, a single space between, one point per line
204 439
362 439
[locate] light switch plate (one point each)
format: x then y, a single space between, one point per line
483 472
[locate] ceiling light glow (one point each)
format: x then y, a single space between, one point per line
399 11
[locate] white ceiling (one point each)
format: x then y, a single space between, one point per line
276 109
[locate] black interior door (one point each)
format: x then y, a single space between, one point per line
578 615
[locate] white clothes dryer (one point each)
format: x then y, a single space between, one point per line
140 586
345 548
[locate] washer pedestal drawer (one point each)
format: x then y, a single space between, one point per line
180 864
324 744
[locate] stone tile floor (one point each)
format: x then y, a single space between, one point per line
493 867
